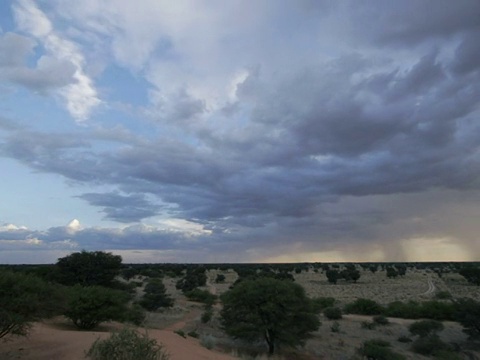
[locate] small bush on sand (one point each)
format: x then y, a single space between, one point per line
207 341
378 350
332 313
321 303
127 344
364 307
429 345
380 320
425 328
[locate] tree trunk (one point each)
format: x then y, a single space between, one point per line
270 341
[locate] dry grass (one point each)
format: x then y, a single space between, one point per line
326 344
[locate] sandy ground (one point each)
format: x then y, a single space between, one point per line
56 340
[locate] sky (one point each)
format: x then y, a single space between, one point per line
240 131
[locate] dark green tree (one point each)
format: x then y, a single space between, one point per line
425 328
468 314
220 278
89 268
391 272
194 278
89 306
332 276
277 311
155 295
472 274
24 299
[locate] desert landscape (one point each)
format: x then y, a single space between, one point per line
185 335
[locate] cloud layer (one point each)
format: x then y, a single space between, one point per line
293 128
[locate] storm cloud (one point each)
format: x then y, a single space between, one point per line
292 147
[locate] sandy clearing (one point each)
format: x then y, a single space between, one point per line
57 341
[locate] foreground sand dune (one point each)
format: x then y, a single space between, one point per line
57 341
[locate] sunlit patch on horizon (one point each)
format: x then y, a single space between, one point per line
436 249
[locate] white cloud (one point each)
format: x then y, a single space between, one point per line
12 227
73 226
80 95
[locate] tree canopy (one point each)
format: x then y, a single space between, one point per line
89 268
24 299
276 311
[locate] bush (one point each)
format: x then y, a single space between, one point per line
468 314
321 303
376 349
208 341
335 327
193 334
220 278
443 295
207 316
180 332
24 299
429 345
332 313
368 325
89 306
404 339
135 315
203 296
437 310
155 295
380 320
364 307
127 344
425 328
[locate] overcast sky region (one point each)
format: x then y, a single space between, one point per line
240 131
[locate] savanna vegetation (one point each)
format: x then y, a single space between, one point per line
250 304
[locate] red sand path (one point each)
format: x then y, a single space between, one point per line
56 342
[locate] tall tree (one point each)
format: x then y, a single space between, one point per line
273 310
89 268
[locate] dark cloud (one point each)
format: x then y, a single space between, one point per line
411 22
122 208
314 154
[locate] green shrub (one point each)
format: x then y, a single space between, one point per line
332 313
380 320
127 344
180 332
203 296
25 298
89 306
404 339
443 295
376 349
368 325
429 345
321 303
220 278
364 307
436 310
335 327
208 341
193 334
425 328
155 295
468 314
206 316
135 315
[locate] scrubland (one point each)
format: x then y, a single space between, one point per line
186 336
